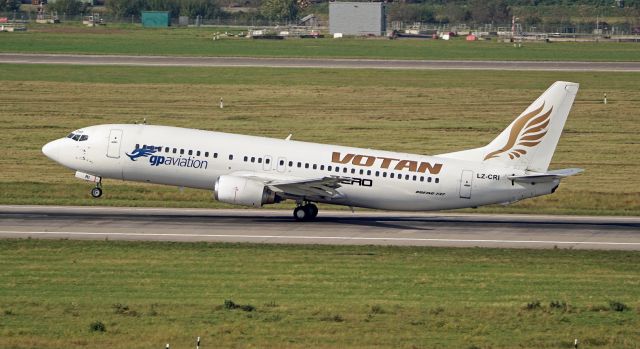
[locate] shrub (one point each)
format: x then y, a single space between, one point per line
334 318
533 305
376 309
618 306
97 326
562 305
231 305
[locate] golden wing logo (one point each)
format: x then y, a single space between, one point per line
526 132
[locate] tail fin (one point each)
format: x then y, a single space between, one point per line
529 142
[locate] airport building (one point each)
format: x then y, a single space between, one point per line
357 18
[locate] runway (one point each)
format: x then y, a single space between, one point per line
332 227
174 61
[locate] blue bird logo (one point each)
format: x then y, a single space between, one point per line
140 152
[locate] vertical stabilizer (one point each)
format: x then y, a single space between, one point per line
531 139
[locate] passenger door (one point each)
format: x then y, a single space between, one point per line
465 184
113 147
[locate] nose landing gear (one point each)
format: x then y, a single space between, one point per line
97 191
305 212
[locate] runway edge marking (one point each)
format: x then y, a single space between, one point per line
304 237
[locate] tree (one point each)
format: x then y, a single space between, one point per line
483 11
125 8
69 7
279 9
10 5
411 13
202 8
456 13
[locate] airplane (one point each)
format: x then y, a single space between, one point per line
255 171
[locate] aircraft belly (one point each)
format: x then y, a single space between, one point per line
392 196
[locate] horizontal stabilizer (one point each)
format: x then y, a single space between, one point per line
547 177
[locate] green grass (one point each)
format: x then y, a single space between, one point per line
425 112
149 294
198 42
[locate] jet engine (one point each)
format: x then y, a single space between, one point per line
243 191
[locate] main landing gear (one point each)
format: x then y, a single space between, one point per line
97 191
305 212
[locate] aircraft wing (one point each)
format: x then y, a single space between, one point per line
322 187
548 176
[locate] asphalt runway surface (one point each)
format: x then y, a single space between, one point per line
331 227
173 61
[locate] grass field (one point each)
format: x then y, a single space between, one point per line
426 112
198 42
149 294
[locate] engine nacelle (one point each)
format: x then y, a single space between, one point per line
242 191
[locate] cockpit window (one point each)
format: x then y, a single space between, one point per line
78 137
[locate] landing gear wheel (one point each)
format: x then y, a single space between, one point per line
300 213
312 210
96 192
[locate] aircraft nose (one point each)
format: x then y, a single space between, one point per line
52 150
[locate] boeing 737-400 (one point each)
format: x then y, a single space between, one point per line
254 171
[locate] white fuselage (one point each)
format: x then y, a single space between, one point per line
380 179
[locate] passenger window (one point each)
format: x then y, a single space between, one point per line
206 154
361 171
391 175
421 179
368 172
377 173
329 168
299 164
259 160
384 174
246 158
230 157
190 152
268 161
181 151
198 153
321 167
137 145
353 170
253 159
290 163
281 162
306 165
166 149
215 155
315 167
175 150
428 179
337 169
437 180
415 178
406 177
